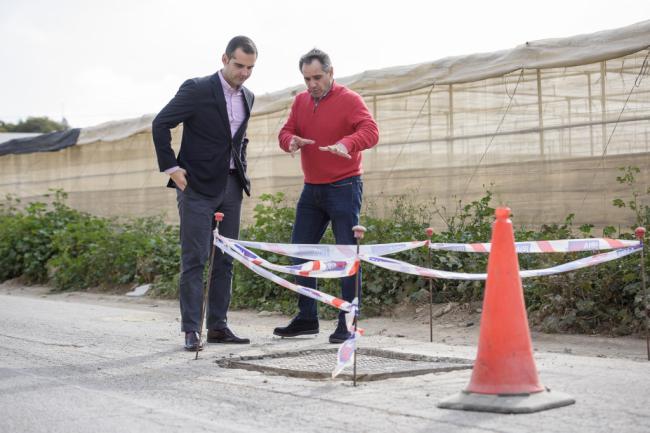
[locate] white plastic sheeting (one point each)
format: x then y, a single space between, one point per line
545 126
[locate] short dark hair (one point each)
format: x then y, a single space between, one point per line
245 43
316 54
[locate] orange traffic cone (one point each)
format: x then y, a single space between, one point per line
504 378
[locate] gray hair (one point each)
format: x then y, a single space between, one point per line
316 54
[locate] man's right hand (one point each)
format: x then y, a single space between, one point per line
179 178
297 142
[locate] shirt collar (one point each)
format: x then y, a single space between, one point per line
226 86
325 94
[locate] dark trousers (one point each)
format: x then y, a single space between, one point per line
196 213
340 204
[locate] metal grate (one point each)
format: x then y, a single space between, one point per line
372 364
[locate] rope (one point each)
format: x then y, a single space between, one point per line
643 71
390 173
487 148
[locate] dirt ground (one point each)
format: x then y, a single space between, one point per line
456 325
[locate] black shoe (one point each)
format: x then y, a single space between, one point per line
192 341
225 335
340 334
297 327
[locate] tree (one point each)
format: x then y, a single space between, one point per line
35 124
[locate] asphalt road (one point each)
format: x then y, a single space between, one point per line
89 365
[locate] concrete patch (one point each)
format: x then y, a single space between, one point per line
372 364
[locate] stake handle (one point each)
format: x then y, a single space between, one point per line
429 233
639 232
358 231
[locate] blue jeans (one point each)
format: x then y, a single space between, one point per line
339 203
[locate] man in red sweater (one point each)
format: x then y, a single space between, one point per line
329 125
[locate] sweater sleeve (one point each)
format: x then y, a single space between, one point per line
289 128
366 133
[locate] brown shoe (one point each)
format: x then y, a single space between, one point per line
225 335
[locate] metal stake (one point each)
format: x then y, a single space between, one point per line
640 234
218 217
429 232
358 235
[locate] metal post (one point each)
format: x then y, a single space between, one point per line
429 232
591 118
358 235
603 103
640 234
450 125
570 128
429 134
540 113
218 217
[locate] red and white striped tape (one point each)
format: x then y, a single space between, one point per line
346 260
555 246
407 268
314 268
326 252
302 290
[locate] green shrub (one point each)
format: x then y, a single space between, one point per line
11 225
75 250
101 252
606 298
26 244
273 223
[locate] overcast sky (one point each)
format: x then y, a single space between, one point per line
93 61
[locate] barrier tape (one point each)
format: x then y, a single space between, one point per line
343 268
346 252
302 290
344 261
557 246
314 268
345 354
330 252
583 262
407 268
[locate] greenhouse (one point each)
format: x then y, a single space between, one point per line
545 126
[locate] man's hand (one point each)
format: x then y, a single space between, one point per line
337 149
297 142
178 177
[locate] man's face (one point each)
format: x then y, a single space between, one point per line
318 81
238 67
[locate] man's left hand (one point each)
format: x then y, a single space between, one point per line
337 149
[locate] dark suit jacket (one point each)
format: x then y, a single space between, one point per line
207 142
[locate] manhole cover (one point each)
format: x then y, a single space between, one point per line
372 364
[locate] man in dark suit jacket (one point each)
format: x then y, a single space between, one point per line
209 175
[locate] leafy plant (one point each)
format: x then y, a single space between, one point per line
54 243
634 203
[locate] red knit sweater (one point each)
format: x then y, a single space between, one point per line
340 117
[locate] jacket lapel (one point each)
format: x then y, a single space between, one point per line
248 96
248 99
220 99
